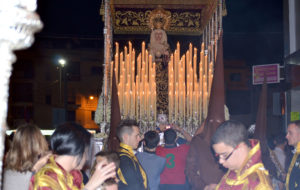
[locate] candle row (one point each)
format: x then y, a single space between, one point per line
136 83
189 90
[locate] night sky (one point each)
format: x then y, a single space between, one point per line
253 29
71 17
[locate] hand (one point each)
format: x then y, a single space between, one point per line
162 127
176 127
41 162
210 187
102 173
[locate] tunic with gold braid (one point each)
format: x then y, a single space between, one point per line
293 175
53 176
252 175
131 174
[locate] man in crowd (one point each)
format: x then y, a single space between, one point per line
173 176
152 164
179 140
131 174
241 156
293 175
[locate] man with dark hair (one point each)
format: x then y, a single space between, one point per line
293 175
153 164
241 156
173 176
130 173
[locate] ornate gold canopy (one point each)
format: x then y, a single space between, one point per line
186 17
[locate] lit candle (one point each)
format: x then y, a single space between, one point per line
117 62
125 108
143 51
111 71
139 65
178 52
125 53
120 96
133 67
155 107
176 100
127 68
137 96
147 64
133 106
130 51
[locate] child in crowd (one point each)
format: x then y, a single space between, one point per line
108 157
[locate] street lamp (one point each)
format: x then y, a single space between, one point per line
62 63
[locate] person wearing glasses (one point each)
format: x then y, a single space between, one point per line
242 157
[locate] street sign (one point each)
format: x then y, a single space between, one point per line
271 72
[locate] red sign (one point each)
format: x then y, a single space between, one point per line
271 72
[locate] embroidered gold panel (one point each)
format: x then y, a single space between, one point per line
128 21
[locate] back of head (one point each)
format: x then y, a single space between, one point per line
109 156
126 127
28 144
279 139
70 139
231 133
151 139
170 136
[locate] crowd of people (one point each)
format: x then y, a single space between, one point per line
165 161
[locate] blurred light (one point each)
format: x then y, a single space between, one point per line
91 97
62 62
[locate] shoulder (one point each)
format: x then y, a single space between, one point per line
159 149
141 154
159 158
184 147
124 156
260 180
162 160
14 179
13 173
45 179
77 177
126 161
138 154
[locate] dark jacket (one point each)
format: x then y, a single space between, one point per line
201 167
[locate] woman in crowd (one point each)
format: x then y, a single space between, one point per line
22 158
70 144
